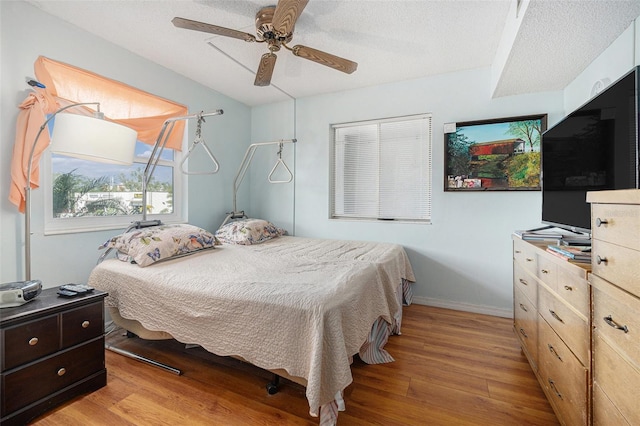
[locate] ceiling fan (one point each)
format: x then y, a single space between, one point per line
274 26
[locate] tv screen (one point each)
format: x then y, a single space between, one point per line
594 148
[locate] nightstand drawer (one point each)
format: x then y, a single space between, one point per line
571 328
29 341
82 324
563 375
39 380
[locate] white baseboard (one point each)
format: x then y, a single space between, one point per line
460 306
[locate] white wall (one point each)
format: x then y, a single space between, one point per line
463 259
26 33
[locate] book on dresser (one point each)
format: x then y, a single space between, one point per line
576 253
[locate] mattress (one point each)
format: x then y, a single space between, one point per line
302 305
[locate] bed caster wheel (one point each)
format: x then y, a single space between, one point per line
272 388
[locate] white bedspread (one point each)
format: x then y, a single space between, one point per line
303 305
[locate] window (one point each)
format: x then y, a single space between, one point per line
83 194
381 169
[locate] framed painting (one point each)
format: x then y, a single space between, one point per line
501 154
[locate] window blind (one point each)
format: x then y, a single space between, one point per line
381 169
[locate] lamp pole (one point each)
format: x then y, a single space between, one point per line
27 199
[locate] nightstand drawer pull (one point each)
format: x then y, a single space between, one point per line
524 308
568 288
529 259
545 271
609 320
553 314
523 332
553 351
600 260
600 222
553 387
85 324
33 341
523 281
61 372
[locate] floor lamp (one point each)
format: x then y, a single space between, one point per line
80 136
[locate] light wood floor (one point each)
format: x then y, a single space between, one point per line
451 368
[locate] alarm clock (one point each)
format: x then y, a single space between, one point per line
19 292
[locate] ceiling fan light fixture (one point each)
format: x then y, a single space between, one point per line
274 26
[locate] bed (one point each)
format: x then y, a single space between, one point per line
298 305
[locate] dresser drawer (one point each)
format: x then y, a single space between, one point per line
604 412
571 328
574 289
619 380
29 341
619 224
616 316
618 265
564 376
523 281
547 271
39 380
526 324
82 324
524 253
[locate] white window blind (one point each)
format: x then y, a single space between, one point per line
381 169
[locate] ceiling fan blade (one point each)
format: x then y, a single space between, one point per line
325 58
212 29
286 14
265 69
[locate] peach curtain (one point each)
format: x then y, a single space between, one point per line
143 112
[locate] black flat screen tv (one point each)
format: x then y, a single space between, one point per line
593 148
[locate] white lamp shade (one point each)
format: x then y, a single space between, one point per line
93 139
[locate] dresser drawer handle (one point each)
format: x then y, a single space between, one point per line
553 387
529 259
523 332
61 372
600 260
518 252
523 281
524 308
553 314
600 222
33 341
85 324
553 351
545 271
568 288
609 320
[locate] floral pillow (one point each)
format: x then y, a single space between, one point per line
248 231
149 245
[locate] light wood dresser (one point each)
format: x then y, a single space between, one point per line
552 320
615 280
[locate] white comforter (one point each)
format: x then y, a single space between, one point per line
303 305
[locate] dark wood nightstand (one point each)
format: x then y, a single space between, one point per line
52 350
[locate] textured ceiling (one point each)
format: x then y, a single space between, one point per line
391 40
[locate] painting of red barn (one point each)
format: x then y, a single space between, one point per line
494 155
